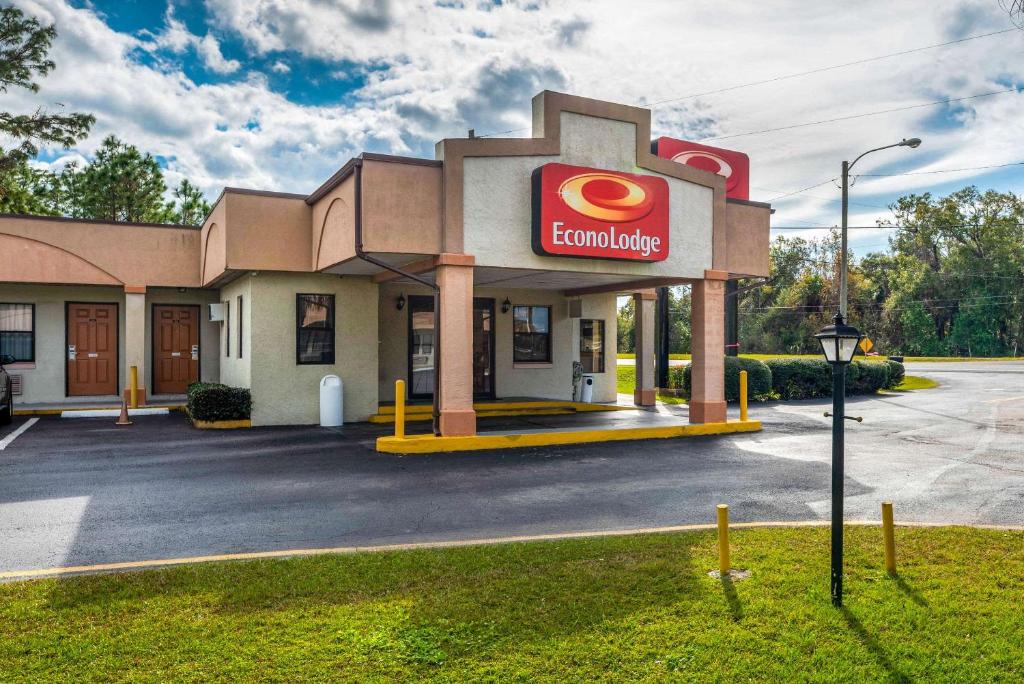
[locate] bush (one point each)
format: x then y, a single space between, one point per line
800 378
759 379
866 377
897 371
213 401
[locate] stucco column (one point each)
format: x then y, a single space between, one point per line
644 393
456 350
707 370
134 339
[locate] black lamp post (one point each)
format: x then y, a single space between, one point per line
839 344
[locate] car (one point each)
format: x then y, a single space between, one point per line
6 391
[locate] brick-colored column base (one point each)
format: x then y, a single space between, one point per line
647 397
140 393
458 423
707 411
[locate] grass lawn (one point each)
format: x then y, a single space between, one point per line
907 359
626 382
916 382
609 609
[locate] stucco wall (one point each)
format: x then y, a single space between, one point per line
285 393
43 381
234 370
549 381
497 205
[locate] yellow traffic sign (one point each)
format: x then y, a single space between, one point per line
866 345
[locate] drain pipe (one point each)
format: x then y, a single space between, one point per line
411 276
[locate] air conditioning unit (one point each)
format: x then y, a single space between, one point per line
17 385
217 311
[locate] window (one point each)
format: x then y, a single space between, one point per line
531 334
592 346
227 328
314 329
239 326
17 331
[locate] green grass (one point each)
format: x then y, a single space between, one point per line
625 383
908 359
638 608
916 382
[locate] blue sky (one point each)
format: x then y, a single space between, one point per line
277 94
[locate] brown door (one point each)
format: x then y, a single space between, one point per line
175 348
92 350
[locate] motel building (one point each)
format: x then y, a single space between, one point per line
525 242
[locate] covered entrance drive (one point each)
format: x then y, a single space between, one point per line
91 349
175 348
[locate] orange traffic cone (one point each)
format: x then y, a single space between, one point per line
123 420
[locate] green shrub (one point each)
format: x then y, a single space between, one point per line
213 401
759 379
675 377
866 377
800 378
897 371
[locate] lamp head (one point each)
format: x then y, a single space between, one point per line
912 142
839 341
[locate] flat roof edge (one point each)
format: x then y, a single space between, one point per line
123 224
345 171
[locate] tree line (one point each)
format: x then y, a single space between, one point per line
949 285
120 183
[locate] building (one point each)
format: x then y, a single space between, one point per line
527 243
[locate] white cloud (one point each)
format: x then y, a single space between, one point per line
433 71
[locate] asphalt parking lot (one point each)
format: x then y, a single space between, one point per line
83 491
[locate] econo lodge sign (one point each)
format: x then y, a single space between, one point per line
598 214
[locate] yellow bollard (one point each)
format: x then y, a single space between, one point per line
743 395
889 537
133 395
400 409
723 540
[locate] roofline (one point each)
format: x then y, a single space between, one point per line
345 171
125 224
749 203
247 191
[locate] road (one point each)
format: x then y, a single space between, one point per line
84 491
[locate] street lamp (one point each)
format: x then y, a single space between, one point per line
839 343
911 143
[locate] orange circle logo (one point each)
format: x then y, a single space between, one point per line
606 197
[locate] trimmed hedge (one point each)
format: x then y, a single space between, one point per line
897 372
759 379
812 378
213 401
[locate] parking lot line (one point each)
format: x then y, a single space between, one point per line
5 442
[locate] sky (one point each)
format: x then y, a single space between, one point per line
278 94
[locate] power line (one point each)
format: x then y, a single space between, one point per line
797 192
947 225
863 114
922 173
819 70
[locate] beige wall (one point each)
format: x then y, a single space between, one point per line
333 226
285 393
213 244
747 229
552 381
235 369
267 232
44 381
497 205
40 250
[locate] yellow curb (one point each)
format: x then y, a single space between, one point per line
428 444
222 424
390 418
510 405
486 541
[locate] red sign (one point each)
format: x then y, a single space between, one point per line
597 214
735 166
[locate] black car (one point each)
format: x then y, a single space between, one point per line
6 391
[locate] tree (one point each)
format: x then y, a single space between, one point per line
119 184
24 44
24 190
192 207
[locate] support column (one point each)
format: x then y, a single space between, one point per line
643 326
456 350
135 339
707 370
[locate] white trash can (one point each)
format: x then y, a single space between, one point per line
587 389
331 407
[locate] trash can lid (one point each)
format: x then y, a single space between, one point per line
330 380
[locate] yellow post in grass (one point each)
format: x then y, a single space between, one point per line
133 374
400 409
723 540
889 537
743 395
